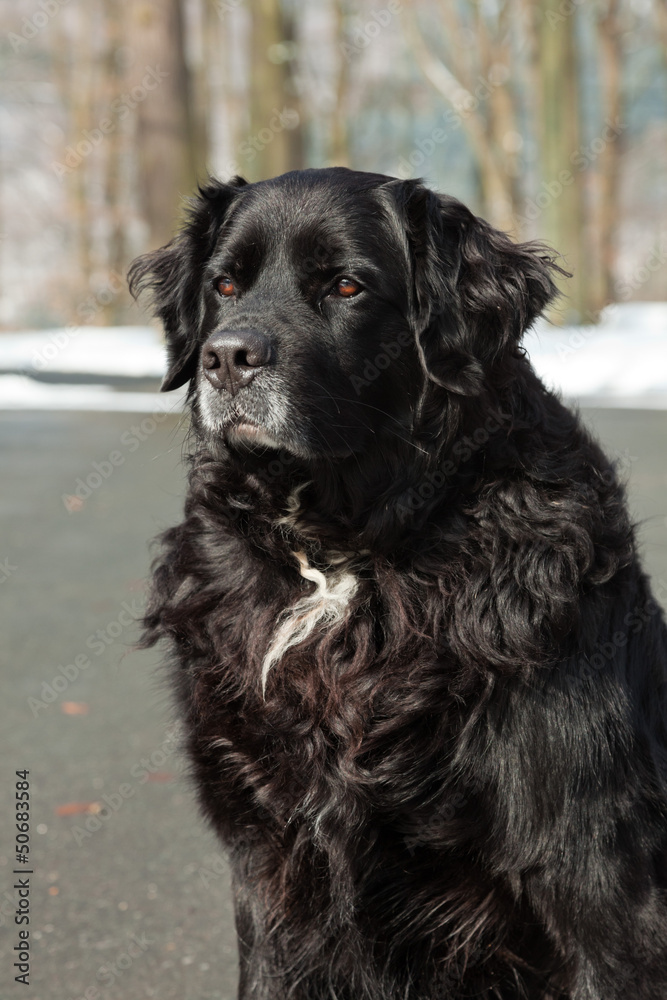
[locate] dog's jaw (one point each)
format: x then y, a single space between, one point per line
251 423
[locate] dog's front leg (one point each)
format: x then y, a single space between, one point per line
579 825
278 959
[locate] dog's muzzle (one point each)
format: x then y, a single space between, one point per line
232 358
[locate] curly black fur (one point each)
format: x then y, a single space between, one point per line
454 785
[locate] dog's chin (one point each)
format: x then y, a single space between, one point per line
247 438
244 434
252 427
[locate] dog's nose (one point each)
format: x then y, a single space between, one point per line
232 358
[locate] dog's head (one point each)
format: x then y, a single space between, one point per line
325 312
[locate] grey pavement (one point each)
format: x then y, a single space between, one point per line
130 898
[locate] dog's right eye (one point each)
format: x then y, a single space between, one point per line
346 288
226 287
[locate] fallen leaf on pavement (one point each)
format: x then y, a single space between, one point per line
74 707
74 808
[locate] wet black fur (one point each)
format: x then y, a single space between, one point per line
459 790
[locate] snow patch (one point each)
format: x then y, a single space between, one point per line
621 362
135 351
18 392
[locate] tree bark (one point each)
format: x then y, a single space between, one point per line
166 134
561 194
608 163
275 142
115 196
338 137
74 76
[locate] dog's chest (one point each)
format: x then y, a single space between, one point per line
359 753
333 708
325 607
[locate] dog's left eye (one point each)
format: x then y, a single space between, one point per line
226 287
346 288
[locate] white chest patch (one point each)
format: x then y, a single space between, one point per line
324 607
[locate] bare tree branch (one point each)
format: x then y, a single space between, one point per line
494 182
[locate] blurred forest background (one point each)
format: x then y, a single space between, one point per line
548 117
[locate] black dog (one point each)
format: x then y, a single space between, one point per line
422 672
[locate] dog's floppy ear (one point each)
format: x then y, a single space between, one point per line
475 290
173 276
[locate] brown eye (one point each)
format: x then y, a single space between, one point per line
226 287
347 288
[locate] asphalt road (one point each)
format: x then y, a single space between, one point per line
130 894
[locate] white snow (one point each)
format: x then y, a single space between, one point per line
116 350
19 392
622 362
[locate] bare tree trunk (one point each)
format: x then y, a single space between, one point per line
116 198
295 134
202 28
74 77
228 43
501 114
162 100
660 13
527 16
611 55
338 135
275 143
561 195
